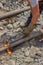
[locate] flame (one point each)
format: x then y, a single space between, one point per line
9 51
6 44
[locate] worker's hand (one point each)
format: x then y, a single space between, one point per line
29 29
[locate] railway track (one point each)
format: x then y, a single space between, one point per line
22 39
13 13
16 42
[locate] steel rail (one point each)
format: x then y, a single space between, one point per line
13 13
28 38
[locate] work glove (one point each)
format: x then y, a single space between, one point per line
29 29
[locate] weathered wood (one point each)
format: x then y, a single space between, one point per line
13 13
24 39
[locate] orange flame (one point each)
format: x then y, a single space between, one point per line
9 51
6 44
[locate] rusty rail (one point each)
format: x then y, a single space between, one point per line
13 13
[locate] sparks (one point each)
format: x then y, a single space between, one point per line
9 51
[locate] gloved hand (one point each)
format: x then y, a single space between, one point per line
29 29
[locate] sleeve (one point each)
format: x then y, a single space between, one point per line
33 2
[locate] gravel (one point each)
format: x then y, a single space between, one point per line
27 53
